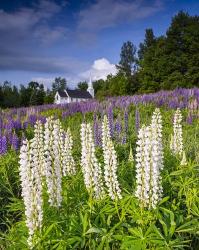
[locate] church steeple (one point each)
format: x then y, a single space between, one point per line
90 87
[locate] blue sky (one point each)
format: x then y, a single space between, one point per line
43 39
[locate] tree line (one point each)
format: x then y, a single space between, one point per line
32 94
165 62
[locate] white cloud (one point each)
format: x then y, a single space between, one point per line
107 13
47 82
99 70
30 27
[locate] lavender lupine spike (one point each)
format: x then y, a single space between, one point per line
110 161
126 119
3 145
97 131
137 120
118 130
15 142
190 118
110 121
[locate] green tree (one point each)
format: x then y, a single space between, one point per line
25 94
40 94
173 60
33 88
82 85
59 84
49 97
117 85
182 48
1 96
127 63
148 42
10 95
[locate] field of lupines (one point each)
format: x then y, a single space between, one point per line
117 174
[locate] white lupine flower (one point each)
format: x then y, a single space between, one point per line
131 158
90 166
68 161
184 159
53 160
149 162
31 189
177 143
110 161
157 156
39 146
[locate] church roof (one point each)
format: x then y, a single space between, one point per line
79 94
62 93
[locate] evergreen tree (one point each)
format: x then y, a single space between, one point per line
1 96
148 42
40 95
25 94
182 48
127 66
49 97
33 88
127 59
82 85
172 60
59 84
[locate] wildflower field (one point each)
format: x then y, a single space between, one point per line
116 174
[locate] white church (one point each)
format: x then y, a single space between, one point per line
69 95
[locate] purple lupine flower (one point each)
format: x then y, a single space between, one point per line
23 138
118 126
3 145
17 124
126 120
137 120
8 135
15 142
118 129
124 139
97 131
189 118
110 120
25 124
10 124
42 119
1 122
32 119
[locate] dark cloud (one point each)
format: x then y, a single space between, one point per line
22 34
28 34
41 64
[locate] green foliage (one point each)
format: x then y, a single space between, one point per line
32 94
171 61
84 223
82 85
59 84
127 59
